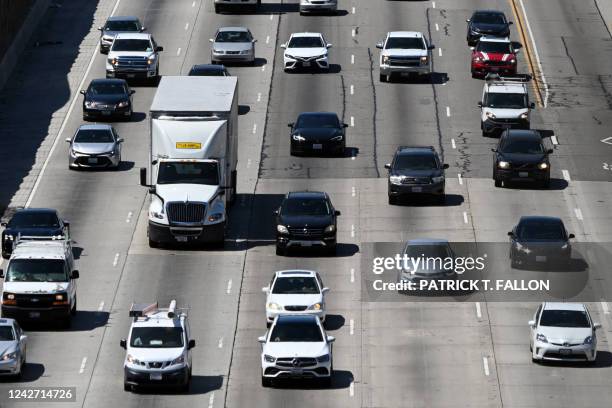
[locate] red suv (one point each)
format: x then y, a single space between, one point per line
493 54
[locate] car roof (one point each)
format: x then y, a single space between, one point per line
493 38
295 272
95 126
564 306
294 318
404 34
223 29
158 319
47 249
122 18
108 81
489 11
306 194
540 218
318 114
523 134
427 241
5 321
133 36
406 150
507 87
307 34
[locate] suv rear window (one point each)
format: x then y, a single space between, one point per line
415 162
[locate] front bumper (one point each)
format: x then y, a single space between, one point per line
229 58
554 352
319 6
483 68
93 160
405 189
287 241
541 256
286 370
533 175
328 146
131 74
168 377
399 69
51 314
294 64
107 112
492 125
271 314
10 367
165 234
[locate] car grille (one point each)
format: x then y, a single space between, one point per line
232 52
131 63
524 166
405 61
295 308
34 301
296 362
305 232
158 364
416 180
84 161
566 345
509 121
185 212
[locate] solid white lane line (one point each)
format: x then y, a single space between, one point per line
554 140
268 39
352 231
448 111
453 143
271 16
352 89
254 128
116 259
485 363
352 121
211 400
440 52
178 52
478 311
258 96
186 26
352 327
537 54
352 58
101 306
352 275
604 306
566 175
83 363
578 213
460 179
229 287
465 217
352 389
129 217
220 345
353 191
437 27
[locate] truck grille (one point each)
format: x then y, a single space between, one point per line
179 212
295 308
131 64
405 61
34 301
416 180
296 362
305 232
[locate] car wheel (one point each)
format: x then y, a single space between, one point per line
280 251
383 78
266 382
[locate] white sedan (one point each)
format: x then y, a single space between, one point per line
563 331
306 50
295 291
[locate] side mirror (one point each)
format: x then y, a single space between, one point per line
324 290
254 40
261 339
23 338
211 40
531 323
152 190
479 104
328 46
283 46
431 47
550 151
82 92
159 48
467 21
510 23
596 326
4 224
100 28
66 224
68 140
143 176
275 212
571 236
74 274
388 166
337 213
472 48
265 289
120 140
132 92
191 344
345 125
532 105
379 45
123 343
331 339
510 233
290 124
142 29
494 150
445 166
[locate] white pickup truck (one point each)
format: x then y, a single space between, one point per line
404 53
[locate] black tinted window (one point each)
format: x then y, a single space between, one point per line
534 230
295 285
157 337
36 270
409 43
305 42
488 18
132 45
126 26
564 318
317 121
415 162
107 88
233 36
296 332
6 333
34 220
94 136
188 173
205 71
305 206
506 100
427 251
522 146
494 47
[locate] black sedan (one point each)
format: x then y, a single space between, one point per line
540 240
306 219
107 98
32 222
208 70
318 133
487 22
521 156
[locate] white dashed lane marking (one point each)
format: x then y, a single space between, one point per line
116 259
83 364
453 143
465 217
101 306
554 140
485 364
604 306
578 213
352 275
566 175
478 311
352 327
178 52
220 345
460 179
229 287
437 27
129 217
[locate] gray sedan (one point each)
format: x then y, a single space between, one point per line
115 25
94 146
12 347
232 44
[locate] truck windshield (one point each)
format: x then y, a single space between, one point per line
157 337
188 173
506 101
132 45
405 43
37 270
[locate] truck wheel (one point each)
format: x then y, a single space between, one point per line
280 251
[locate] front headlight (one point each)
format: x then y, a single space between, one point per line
424 60
336 138
245 52
385 59
215 217
9 356
321 56
522 248
490 115
543 166
123 104
513 61
478 59
524 115
130 359
218 51
90 104
541 338
396 179
60 297
179 360
112 61
8 237
269 359
437 179
330 228
151 59
290 56
298 138
282 229
316 306
274 306
158 215
588 340
503 165
323 359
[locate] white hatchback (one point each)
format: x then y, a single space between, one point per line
306 50
295 292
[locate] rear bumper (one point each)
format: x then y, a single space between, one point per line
490 125
165 234
51 314
171 377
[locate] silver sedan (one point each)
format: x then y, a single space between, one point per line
233 44
94 146
318 6
12 348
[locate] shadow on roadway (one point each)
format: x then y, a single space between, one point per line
85 320
574 265
337 13
450 200
200 384
334 322
340 379
243 109
436 78
556 184
604 360
31 372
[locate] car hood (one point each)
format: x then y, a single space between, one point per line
503 113
34 232
520 158
302 349
306 52
93 148
186 192
108 99
297 300
489 28
232 46
417 173
35 287
401 52
298 221
318 133
493 56
7 347
565 334
155 354
116 54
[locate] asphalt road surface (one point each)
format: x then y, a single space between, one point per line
399 354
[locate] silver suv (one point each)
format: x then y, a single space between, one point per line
115 25
404 53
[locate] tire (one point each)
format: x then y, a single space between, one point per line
217 8
73 311
266 382
280 251
383 78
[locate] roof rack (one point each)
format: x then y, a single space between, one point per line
519 78
28 238
144 311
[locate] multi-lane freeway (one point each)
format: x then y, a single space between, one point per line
399 354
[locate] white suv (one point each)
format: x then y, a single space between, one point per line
306 50
296 346
295 291
133 56
405 53
158 348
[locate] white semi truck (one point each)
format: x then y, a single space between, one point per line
193 154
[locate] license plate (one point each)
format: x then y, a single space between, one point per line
34 315
540 259
565 352
106 113
155 376
523 174
297 371
417 189
131 75
305 64
306 243
317 146
92 160
494 69
181 239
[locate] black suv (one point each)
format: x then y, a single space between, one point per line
306 219
415 170
540 240
317 132
32 222
487 22
521 156
107 98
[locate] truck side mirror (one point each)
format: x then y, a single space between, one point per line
388 166
324 290
159 48
337 213
479 104
379 45
191 344
4 224
596 326
261 339
142 29
74 274
265 289
345 125
328 45
283 46
550 151
331 339
531 323
532 105
123 343
445 166
510 23
132 92
143 176
100 28
68 140
120 140
431 47
467 21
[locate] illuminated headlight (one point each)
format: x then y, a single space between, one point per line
588 340
282 229
290 56
490 115
215 217
60 297
323 359
298 138
90 104
151 59
424 60
543 166
316 306
130 359
385 59
437 179
503 165
8 237
542 338
330 228
269 359
113 61
522 248
123 104
513 61
9 356
179 360
274 306
396 179
9 296
336 138
524 115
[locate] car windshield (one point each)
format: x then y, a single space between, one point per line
295 285
428 251
156 337
94 136
541 231
6 333
317 121
233 36
207 71
107 88
188 173
305 206
122 25
307 331
415 162
32 219
565 318
406 43
494 47
305 42
523 146
488 18
132 45
36 270
506 100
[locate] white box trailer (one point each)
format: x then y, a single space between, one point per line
193 156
